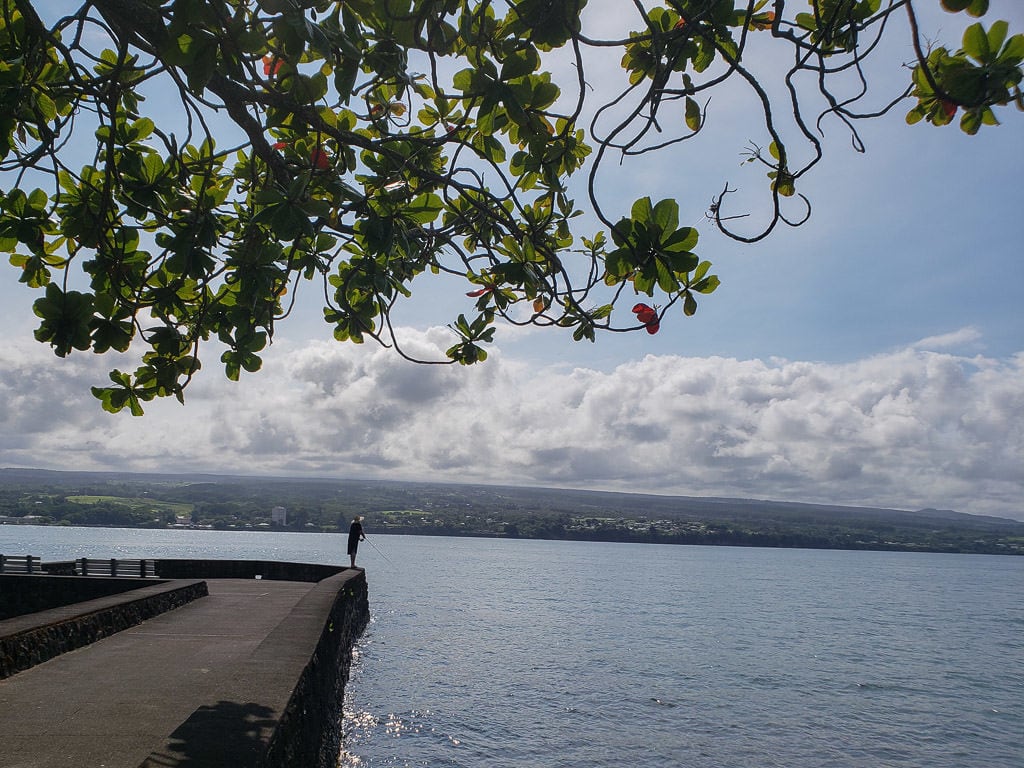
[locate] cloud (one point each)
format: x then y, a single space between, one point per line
964 337
908 429
890 251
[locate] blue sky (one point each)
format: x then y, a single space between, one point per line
874 356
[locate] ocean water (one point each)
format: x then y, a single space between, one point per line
509 654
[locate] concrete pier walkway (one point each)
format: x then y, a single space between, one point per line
204 685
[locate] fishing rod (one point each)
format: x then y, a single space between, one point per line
370 542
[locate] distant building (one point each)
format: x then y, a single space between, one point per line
279 516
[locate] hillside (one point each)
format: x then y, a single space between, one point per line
228 502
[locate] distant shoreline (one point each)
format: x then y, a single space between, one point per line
105 499
746 540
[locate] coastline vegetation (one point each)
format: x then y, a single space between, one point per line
242 503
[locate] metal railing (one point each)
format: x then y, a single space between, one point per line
142 569
20 564
83 566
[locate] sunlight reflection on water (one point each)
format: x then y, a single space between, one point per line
564 654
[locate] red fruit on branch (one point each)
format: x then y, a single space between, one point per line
271 64
320 159
648 316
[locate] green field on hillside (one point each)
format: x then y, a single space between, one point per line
136 504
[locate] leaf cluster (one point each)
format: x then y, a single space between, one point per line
181 173
984 73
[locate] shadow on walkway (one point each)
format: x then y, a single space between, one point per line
227 734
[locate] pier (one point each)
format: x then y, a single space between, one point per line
207 664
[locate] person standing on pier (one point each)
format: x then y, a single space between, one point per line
355 535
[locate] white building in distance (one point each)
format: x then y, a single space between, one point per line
279 516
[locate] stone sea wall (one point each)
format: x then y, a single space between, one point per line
50 633
309 732
22 594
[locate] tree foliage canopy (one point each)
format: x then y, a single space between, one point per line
180 172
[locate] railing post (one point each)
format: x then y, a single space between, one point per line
142 569
113 567
28 563
85 566
2 558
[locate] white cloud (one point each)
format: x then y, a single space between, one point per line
964 337
892 249
907 429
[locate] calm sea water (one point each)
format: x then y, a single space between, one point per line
526 653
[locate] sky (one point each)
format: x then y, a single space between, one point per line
872 357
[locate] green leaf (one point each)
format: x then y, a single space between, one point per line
46 106
142 129
666 280
425 208
970 122
644 284
707 285
976 42
345 78
683 239
34 272
996 35
1014 50
693 115
689 305
520 64
616 266
463 80
807 20
111 334
65 319
666 215
115 399
641 210
915 115
38 200
683 262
